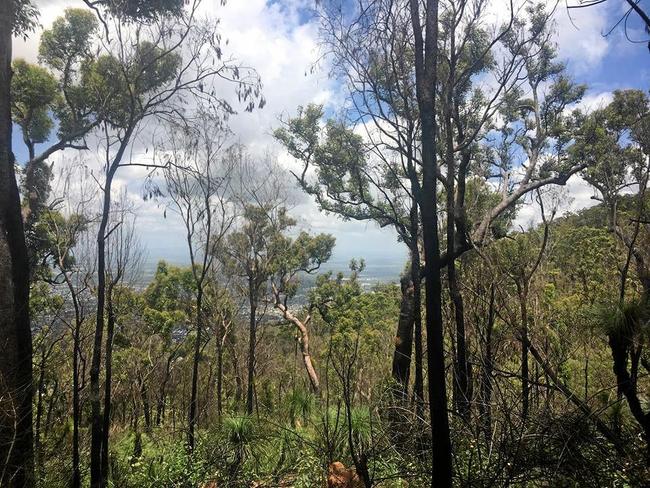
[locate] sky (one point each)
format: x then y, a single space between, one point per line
280 40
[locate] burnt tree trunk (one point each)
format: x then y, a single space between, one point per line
195 371
252 338
16 436
76 403
220 342
426 55
108 373
404 339
97 475
525 341
488 368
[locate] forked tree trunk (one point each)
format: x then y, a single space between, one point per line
426 57
304 344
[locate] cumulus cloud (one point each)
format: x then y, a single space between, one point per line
280 41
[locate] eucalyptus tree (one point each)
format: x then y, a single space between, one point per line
198 171
614 140
251 253
372 53
436 61
123 263
148 68
535 137
16 435
51 95
303 255
68 228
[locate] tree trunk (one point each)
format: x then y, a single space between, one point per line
146 408
418 385
304 345
252 338
108 373
426 55
525 340
76 407
461 388
404 338
488 367
38 450
97 477
195 371
220 340
416 278
16 436
462 383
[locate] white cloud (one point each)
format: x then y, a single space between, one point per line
282 45
595 100
580 36
575 195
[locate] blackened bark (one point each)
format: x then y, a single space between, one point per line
252 338
76 406
96 440
108 376
16 436
418 385
404 339
462 383
461 390
98 478
416 278
220 340
525 340
488 368
620 345
426 54
195 371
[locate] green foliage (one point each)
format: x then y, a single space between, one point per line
118 89
25 18
68 41
142 11
344 181
299 406
161 464
34 93
169 299
66 47
240 431
613 141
